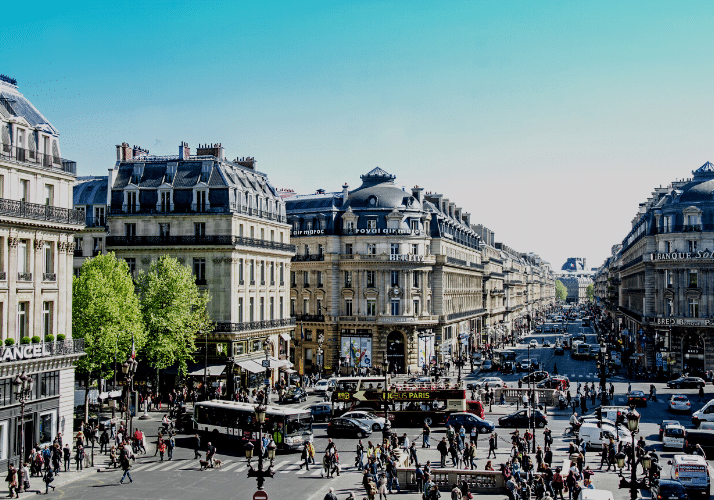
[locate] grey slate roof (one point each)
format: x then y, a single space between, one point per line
16 104
90 191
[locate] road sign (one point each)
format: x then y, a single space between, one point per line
260 495
266 363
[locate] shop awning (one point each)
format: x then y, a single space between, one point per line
289 370
285 336
212 371
251 366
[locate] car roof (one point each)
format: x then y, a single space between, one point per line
674 425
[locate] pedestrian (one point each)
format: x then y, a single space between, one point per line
413 454
419 477
443 450
701 393
67 455
426 432
331 494
456 493
382 487
162 450
79 457
305 456
558 485
326 465
492 446
125 466
103 442
170 446
48 478
196 446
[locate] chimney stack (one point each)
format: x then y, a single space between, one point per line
247 162
416 193
184 151
345 193
215 150
124 152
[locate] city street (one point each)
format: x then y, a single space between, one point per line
182 479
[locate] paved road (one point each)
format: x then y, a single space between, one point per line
180 479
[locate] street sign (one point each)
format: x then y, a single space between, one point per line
266 363
260 495
658 359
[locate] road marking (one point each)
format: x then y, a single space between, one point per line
276 467
143 466
241 468
301 471
317 472
230 466
156 466
175 464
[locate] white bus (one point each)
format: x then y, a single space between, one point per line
289 427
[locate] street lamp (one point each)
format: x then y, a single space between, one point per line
633 422
320 359
386 429
260 474
128 368
266 348
23 386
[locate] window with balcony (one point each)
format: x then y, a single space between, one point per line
348 248
199 270
348 307
272 307
320 284
416 307
307 249
164 230
262 309
667 224
293 282
47 312
693 308
306 306
252 273
201 200
395 307
371 223
415 279
348 280
130 230
99 214
25 190
320 250
667 247
2 186
281 308
251 309
164 201
306 279
22 318
282 279
371 307
262 272
272 273
371 249
415 249
414 225
371 279
292 307
692 246
395 278
240 310
668 278
23 257
199 229
49 195
240 272
319 307
48 258
131 202
394 249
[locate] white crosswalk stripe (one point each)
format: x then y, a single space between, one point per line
177 463
291 469
241 468
302 471
143 466
230 466
278 466
156 466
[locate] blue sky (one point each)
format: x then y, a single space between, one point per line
548 121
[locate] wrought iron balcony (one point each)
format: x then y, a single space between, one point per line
78 252
41 160
458 262
147 241
49 277
229 208
3 276
309 258
24 276
309 317
35 211
225 327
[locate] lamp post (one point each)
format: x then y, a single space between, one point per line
387 426
205 366
23 386
128 368
266 363
633 421
260 474
320 359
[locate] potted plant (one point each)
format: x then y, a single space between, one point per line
61 337
25 340
49 338
9 341
36 339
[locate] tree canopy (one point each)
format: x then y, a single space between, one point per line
105 313
590 292
561 293
173 310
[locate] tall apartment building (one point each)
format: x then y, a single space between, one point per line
225 221
36 248
383 277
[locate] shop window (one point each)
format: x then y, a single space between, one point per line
47 427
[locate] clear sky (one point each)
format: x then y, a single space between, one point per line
548 121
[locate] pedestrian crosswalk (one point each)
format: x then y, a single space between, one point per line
229 465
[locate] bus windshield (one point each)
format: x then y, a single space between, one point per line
298 425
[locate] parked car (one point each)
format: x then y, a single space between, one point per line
368 418
493 382
320 412
668 489
487 365
521 419
533 343
295 395
469 420
636 398
679 402
686 383
348 427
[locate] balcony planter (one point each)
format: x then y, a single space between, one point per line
36 339
49 338
61 337
9 341
25 340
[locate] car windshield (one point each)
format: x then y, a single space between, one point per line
637 393
675 432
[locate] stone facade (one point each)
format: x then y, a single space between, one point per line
36 249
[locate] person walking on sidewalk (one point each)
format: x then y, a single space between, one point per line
491 446
67 454
79 457
49 477
443 450
196 446
104 442
305 456
125 466
170 446
426 432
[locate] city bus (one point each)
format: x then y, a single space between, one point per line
407 404
501 356
580 350
219 419
354 384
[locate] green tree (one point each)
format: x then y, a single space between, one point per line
561 293
174 310
106 314
590 292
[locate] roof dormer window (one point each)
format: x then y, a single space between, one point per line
205 172
137 174
170 173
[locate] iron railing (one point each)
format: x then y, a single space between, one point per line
24 276
65 347
3 276
305 258
49 277
309 317
464 314
37 159
35 211
458 262
143 241
225 327
230 208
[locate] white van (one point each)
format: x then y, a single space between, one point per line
594 437
673 436
693 472
705 414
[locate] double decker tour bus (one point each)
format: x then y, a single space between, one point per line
407 404
289 427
